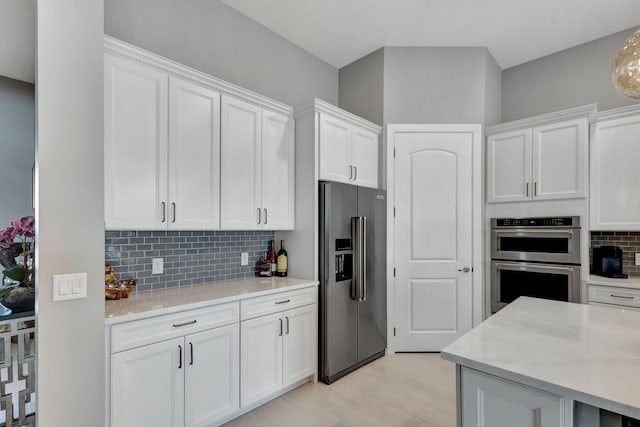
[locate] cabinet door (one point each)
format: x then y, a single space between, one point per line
261 358
615 183
135 137
147 386
212 382
299 344
489 401
240 166
194 156
364 157
560 160
335 149
509 166
278 160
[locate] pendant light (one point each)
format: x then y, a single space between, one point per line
625 69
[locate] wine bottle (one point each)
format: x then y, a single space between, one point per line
272 257
282 262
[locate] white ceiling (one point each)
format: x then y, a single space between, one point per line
514 31
18 39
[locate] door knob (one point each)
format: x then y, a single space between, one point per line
464 269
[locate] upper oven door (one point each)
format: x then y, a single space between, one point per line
543 245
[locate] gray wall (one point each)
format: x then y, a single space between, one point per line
493 91
361 87
17 149
70 211
573 77
17 39
216 39
436 85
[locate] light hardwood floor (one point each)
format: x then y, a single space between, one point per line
416 389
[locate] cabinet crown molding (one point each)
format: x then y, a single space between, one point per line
129 51
618 113
319 105
589 111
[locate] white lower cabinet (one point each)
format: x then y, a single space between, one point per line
147 387
183 369
189 378
488 401
278 350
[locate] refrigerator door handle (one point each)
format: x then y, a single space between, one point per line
358 227
363 261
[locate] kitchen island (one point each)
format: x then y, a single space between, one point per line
536 361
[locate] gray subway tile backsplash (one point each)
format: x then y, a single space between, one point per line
629 241
190 257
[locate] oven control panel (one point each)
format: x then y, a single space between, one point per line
551 222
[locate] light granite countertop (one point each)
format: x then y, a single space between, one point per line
630 282
587 353
164 301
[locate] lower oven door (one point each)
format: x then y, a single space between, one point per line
510 280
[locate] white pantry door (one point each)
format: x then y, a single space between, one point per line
433 237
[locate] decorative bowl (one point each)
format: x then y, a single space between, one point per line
119 289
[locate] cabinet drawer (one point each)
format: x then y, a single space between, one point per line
142 332
260 306
611 295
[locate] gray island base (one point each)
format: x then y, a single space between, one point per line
548 363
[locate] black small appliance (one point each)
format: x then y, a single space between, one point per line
607 262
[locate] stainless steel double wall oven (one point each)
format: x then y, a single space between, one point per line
536 257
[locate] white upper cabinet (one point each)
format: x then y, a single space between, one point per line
615 178
241 164
335 153
187 151
257 169
560 160
509 166
542 158
278 172
348 152
194 156
135 132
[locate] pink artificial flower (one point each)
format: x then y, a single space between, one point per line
23 226
8 235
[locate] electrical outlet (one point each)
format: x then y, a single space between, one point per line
244 258
637 258
157 266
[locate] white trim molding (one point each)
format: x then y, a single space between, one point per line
590 111
126 50
324 107
618 113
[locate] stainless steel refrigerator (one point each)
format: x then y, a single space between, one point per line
353 274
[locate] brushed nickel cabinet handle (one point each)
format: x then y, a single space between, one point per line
527 190
535 188
350 172
180 357
621 296
259 217
355 173
280 327
164 211
286 317
265 215
191 351
174 212
282 302
179 325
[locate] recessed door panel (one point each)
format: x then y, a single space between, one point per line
433 305
433 182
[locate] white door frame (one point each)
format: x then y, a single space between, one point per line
478 213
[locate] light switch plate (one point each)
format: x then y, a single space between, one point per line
69 286
244 258
637 258
157 266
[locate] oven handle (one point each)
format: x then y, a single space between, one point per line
537 268
531 233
